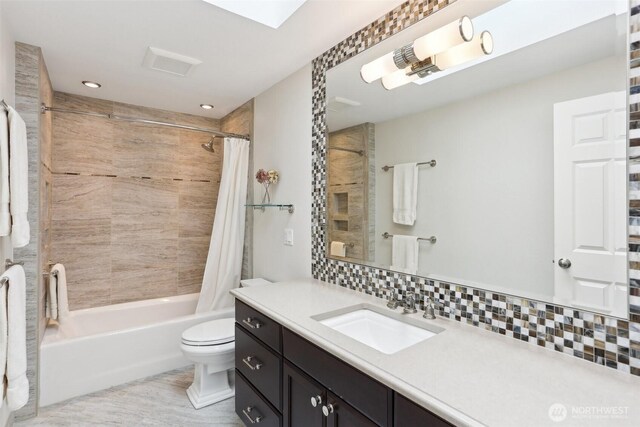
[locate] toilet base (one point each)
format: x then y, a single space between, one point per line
209 388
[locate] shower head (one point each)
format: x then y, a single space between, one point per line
209 146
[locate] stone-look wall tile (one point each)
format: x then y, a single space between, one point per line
145 151
144 245
240 121
83 144
28 98
88 267
125 197
194 162
192 257
81 197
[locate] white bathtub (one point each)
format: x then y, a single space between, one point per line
101 347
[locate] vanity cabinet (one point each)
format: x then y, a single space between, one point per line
284 380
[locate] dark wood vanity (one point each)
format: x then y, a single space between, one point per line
284 380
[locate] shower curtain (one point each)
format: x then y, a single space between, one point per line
224 262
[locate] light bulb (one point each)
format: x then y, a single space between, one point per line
452 34
397 79
476 48
378 68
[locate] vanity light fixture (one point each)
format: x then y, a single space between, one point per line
446 37
476 48
206 106
92 85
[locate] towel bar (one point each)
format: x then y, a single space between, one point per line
431 239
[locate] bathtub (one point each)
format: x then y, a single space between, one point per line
98 348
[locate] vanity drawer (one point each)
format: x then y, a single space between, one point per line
259 325
408 414
250 406
357 389
261 366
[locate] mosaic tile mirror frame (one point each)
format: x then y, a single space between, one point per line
597 338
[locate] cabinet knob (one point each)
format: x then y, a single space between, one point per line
316 400
328 409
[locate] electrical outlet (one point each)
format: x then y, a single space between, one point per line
288 236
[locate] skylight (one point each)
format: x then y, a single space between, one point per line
272 13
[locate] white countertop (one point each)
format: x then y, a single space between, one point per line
465 374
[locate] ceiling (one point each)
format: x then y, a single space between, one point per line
106 41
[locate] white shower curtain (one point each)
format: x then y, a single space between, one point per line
224 263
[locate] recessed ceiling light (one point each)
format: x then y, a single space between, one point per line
92 85
206 106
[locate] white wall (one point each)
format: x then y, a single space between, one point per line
282 138
489 200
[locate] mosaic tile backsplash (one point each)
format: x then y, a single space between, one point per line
593 337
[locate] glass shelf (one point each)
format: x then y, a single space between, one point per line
263 206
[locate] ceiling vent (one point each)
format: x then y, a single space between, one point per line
169 62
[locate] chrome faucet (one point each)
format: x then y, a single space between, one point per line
393 302
430 310
409 303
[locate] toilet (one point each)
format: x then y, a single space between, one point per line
210 346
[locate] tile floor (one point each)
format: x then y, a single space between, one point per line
153 401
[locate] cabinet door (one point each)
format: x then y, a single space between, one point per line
298 391
341 414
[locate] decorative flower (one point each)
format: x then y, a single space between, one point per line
273 176
262 176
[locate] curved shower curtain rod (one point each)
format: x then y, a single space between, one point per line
44 109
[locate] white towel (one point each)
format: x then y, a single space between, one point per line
17 383
404 254
57 300
18 180
405 193
5 217
338 249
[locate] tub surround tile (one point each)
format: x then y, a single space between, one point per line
88 269
81 197
198 195
192 257
145 150
94 135
194 163
125 195
135 195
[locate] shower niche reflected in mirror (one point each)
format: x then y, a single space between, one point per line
528 191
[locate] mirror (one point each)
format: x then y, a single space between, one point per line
521 171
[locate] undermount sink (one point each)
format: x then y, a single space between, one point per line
387 332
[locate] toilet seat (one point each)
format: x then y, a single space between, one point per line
212 333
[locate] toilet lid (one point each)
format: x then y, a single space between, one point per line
214 332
